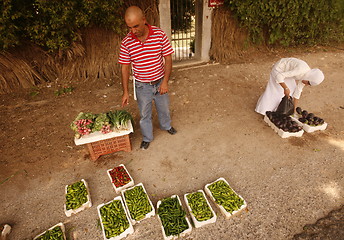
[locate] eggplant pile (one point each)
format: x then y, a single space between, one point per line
283 122
309 118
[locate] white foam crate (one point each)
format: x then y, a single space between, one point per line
182 234
149 214
129 184
307 127
60 225
84 206
197 223
280 132
128 231
222 209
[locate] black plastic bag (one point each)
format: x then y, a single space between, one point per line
286 106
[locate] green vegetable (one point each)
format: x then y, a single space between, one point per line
76 195
225 196
199 206
53 234
101 120
114 219
137 201
172 216
119 119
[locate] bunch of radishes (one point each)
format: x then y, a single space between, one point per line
106 128
83 127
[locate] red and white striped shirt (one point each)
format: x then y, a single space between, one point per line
146 57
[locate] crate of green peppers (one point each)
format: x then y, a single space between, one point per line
137 203
56 232
77 198
199 208
174 223
229 202
114 219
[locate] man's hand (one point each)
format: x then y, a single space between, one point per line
287 92
163 88
125 99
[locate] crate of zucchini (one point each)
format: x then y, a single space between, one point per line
173 218
199 208
114 220
77 198
103 133
228 201
56 232
138 203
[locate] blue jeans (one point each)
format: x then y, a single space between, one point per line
145 94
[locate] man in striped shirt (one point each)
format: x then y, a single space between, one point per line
148 50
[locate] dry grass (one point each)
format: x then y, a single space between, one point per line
228 40
94 56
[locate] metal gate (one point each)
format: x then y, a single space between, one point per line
183 29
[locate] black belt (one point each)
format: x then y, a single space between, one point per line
152 82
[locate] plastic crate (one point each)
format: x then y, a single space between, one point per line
197 223
119 189
127 231
280 132
307 127
182 234
84 206
111 145
61 225
222 209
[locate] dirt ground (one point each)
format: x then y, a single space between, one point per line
287 183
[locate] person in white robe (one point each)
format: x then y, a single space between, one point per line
287 78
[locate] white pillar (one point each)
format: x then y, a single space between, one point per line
165 17
206 31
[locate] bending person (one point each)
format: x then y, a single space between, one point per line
287 78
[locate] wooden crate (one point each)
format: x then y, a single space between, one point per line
111 145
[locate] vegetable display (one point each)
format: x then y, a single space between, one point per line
199 206
86 123
137 203
119 119
83 123
114 219
54 234
283 122
309 118
172 216
119 176
225 196
76 195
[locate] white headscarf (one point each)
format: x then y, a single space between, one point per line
314 76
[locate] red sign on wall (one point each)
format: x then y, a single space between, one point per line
215 3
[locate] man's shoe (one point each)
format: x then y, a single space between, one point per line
144 145
172 131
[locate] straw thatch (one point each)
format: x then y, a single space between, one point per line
229 40
94 56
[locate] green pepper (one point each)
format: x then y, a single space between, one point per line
199 206
172 216
53 234
137 202
225 196
76 195
114 219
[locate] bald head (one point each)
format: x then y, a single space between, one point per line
134 13
136 22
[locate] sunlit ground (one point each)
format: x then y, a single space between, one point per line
332 189
337 142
